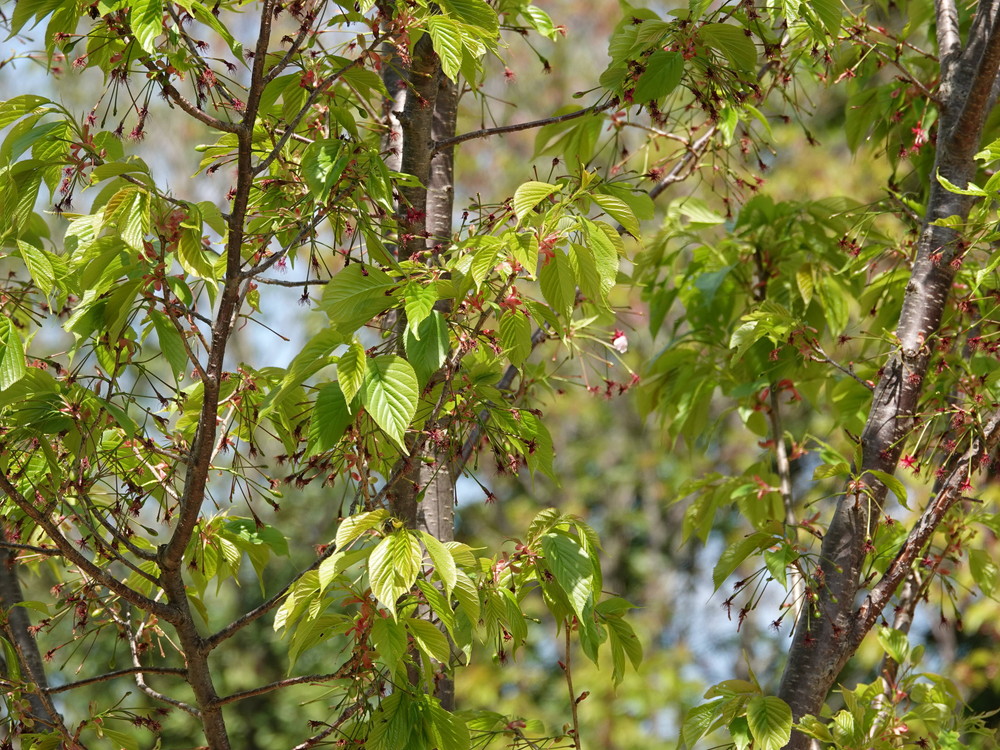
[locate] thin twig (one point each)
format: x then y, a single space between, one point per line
286 282
346 714
825 359
140 670
69 550
310 101
278 685
117 673
214 640
573 702
486 132
949 493
688 162
787 499
47 551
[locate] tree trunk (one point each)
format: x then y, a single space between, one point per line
422 110
829 630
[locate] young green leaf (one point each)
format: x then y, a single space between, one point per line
330 417
737 552
571 566
444 563
355 295
662 75
393 567
770 721
389 394
529 195
352 367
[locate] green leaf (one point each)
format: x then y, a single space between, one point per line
388 637
778 561
662 75
16 108
581 260
393 723
355 295
985 571
330 417
445 730
354 526
474 12
624 642
571 566
770 721
804 281
351 369
389 394
540 451
191 252
558 284
323 162
147 22
515 335
825 471
12 366
429 352
732 42
171 345
894 643
893 484
830 12
739 730
971 189
207 17
467 596
429 639
133 220
418 301
446 35
698 721
529 195
484 260
736 553
619 210
444 563
38 266
313 357
121 740
393 567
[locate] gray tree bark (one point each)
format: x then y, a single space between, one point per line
422 110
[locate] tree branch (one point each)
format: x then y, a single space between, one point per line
486 132
966 131
214 640
949 493
17 627
72 554
127 671
949 43
828 631
278 685
320 89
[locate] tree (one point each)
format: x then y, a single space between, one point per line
939 421
130 449
145 422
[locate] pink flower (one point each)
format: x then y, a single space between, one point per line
619 341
